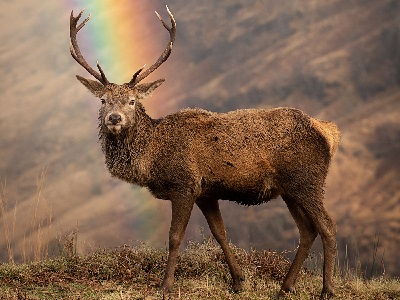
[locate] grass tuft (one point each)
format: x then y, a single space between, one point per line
202 273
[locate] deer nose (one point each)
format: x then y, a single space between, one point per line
114 119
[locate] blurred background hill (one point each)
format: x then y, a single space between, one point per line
336 60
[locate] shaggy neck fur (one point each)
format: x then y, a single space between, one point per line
123 151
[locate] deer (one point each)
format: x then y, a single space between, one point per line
197 157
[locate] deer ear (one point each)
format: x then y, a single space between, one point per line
145 89
95 87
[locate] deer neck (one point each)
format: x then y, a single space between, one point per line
125 152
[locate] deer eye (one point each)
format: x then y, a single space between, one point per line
103 101
132 102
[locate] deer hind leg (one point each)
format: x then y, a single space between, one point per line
307 237
181 211
314 209
212 213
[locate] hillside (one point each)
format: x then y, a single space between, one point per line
337 60
202 273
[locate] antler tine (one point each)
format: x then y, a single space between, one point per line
84 21
133 80
76 52
103 76
164 56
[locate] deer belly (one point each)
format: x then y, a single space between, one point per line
245 191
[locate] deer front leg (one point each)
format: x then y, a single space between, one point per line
212 213
181 211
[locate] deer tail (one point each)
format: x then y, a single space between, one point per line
330 132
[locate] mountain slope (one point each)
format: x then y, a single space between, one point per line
337 60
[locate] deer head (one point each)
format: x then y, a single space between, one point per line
118 101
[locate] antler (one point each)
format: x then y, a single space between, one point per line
164 56
76 52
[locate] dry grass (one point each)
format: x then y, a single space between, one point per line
8 232
135 273
38 224
202 273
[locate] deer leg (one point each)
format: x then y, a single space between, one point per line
307 237
326 227
181 211
212 213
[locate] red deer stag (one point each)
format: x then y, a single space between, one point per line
194 156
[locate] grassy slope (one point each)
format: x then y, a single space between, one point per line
134 273
335 59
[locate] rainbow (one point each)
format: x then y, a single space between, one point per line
123 35
118 35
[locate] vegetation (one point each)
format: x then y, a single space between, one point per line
202 273
336 59
136 272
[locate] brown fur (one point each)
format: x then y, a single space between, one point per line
248 156
199 157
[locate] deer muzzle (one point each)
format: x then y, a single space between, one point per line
114 119
114 122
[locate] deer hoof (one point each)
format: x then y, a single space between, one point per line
283 293
325 295
165 288
237 285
